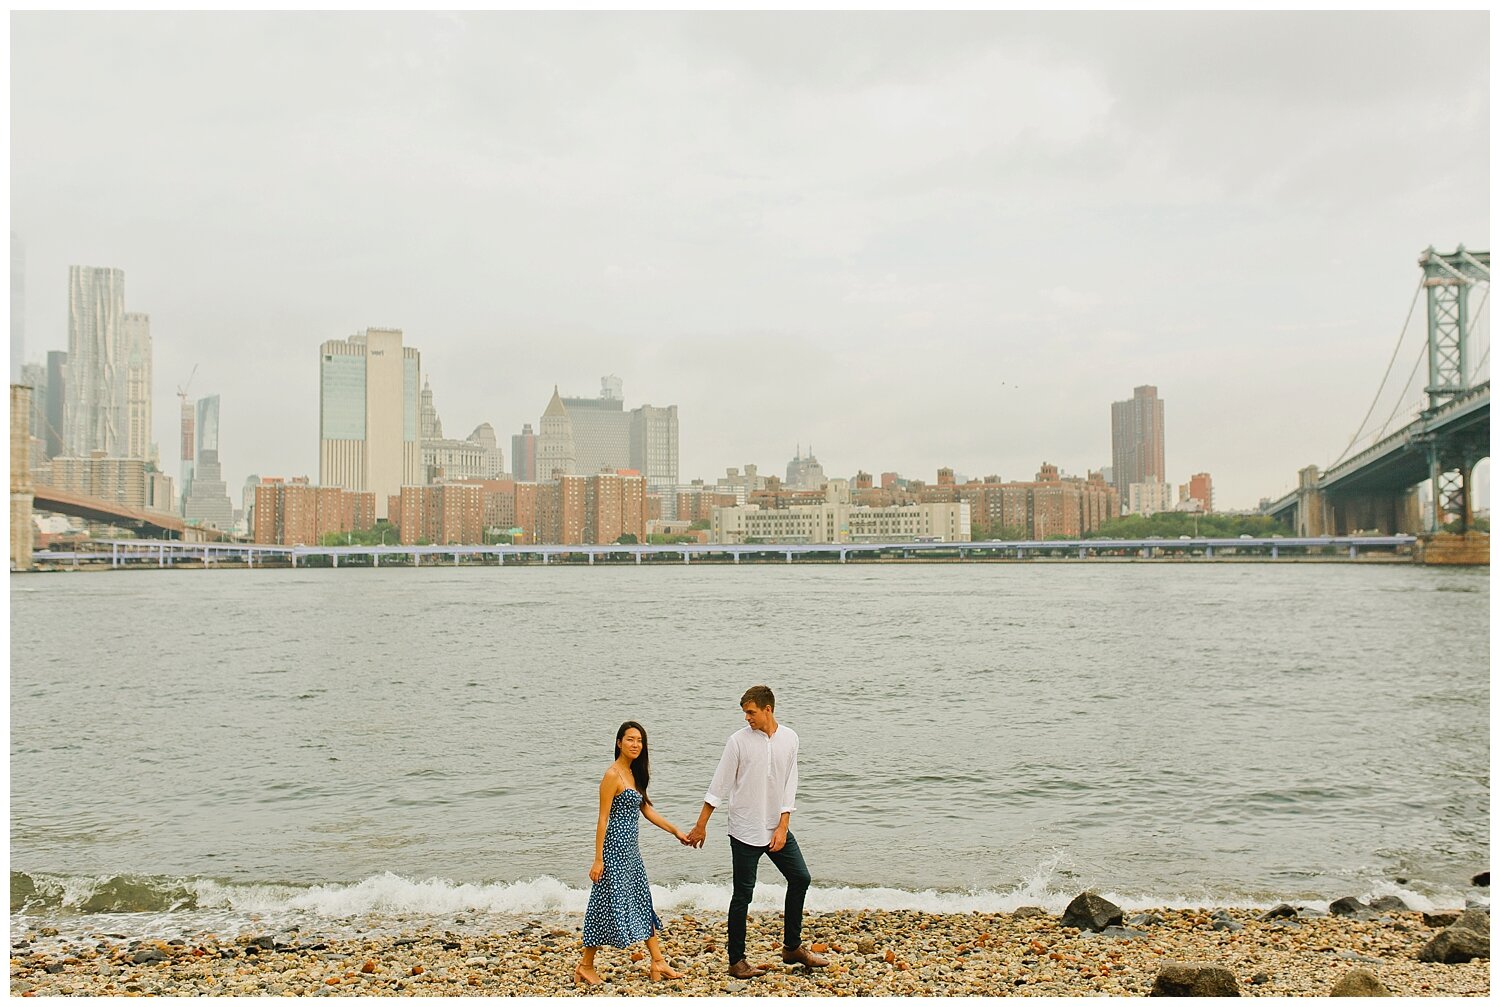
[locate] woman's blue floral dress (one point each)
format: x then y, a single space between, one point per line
620 912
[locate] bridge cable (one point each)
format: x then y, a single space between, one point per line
1401 399
1404 327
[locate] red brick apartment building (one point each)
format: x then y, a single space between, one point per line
294 512
571 510
1051 504
444 514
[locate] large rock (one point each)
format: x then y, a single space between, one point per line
1467 939
1090 912
1389 904
1194 979
1480 880
1349 906
1281 912
1359 983
1440 919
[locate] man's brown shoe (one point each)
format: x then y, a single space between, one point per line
742 969
799 955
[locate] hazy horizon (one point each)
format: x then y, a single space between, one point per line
904 241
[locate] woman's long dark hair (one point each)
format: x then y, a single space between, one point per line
641 767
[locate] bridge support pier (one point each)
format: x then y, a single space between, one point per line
591 559
788 557
637 558
736 558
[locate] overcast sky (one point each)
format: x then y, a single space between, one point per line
907 241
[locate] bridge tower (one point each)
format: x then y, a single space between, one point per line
1448 279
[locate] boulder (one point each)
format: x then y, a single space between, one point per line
1144 920
1027 912
1467 939
1194 979
1480 880
1445 918
1389 904
1349 906
1281 912
1090 912
1359 983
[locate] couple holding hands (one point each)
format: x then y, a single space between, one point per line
757 779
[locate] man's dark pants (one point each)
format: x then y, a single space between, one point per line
789 862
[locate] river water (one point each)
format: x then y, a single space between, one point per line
206 747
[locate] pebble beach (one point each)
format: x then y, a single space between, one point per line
872 953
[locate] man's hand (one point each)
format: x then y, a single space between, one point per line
696 837
778 838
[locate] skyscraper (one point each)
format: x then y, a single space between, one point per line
57 385
207 501
653 447
601 430
18 309
94 417
369 429
523 454
137 332
555 451
1138 436
447 460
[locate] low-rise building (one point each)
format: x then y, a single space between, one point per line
1148 498
841 522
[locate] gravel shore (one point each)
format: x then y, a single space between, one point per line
872 953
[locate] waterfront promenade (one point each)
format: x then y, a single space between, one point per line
119 553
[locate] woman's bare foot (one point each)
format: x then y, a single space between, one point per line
661 970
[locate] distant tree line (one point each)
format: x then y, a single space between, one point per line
1171 524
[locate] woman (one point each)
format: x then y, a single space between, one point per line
620 911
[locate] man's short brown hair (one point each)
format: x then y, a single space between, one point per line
761 696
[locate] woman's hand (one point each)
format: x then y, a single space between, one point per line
596 873
681 837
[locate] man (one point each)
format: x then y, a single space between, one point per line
757 778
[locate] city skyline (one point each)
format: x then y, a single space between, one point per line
853 238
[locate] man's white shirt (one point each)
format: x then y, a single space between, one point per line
757 777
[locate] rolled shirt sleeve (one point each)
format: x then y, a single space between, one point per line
723 781
789 795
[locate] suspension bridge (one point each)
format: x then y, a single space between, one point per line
1433 437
